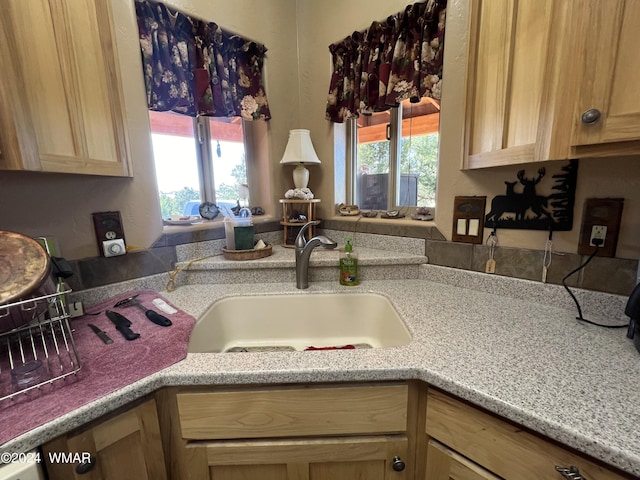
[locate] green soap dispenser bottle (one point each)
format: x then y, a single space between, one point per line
348 266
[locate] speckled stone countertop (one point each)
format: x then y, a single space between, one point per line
511 346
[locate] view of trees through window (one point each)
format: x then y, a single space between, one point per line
416 163
418 157
177 154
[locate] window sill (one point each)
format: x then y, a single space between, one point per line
403 227
208 230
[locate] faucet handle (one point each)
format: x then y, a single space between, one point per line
300 238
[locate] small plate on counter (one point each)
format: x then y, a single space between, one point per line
183 221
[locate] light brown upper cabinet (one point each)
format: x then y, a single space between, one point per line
551 81
610 73
62 105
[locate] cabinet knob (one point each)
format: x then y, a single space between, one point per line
570 473
591 116
86 467
398 464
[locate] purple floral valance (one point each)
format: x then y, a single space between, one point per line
395 59
195 68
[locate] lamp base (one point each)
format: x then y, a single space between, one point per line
300 176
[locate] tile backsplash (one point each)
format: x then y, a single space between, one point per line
611 275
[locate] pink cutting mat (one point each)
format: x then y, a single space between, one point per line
105 368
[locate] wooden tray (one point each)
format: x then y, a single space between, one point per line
247 254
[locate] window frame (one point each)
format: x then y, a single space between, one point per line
254 163
395 141
204 155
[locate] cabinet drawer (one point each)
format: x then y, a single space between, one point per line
293 411
501 447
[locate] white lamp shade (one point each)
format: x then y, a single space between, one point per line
299 151
299 148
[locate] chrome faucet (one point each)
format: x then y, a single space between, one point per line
303 252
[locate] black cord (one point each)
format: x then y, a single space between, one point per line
564 284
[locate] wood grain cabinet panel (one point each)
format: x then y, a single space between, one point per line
127 446
535 66
445 464
67 111
508 61
343 458
291 432
610 69
285 412
497 446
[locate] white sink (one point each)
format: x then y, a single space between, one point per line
297 322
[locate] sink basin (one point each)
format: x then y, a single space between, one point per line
296 322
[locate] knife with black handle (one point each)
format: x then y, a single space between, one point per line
101 333
157 318
122 324
152 315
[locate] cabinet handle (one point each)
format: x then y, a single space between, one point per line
570 473
86 467
591 116
398 464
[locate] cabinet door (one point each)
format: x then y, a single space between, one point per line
18 149
445 464
126 447
610 32
70 85
508 48
504 448
370 458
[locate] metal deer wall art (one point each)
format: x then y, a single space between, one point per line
523 206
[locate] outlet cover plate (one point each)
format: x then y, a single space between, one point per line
606 212
108 228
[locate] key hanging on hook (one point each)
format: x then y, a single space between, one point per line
546 260
492 243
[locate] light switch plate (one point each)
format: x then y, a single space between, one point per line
468 219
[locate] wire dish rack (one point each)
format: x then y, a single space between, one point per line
40 353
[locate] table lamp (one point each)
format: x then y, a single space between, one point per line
300 151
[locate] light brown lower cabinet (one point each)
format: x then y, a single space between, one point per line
369 431
445 464
467 443
337 458
319 432
126 446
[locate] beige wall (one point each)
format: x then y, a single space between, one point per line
297 79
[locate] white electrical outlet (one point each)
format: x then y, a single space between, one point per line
598 232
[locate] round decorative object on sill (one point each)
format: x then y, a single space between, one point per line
208 210
348 210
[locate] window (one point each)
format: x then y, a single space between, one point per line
196 160
394 163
